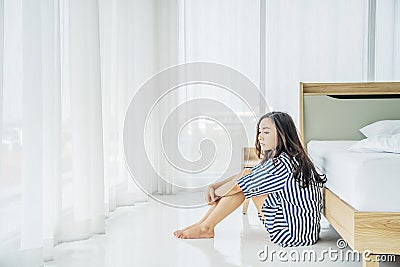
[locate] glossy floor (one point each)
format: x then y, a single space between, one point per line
142 236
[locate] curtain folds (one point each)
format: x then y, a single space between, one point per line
63 101
387 40
69 68
310 41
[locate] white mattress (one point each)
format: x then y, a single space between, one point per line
366 181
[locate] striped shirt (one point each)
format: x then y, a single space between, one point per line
291 214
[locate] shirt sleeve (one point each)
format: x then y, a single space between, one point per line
264 178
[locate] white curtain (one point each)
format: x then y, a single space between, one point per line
68 70
327 41
225 33
65 89
228 33
313 41
127 59
387 40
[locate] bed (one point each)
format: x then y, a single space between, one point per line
362 206
365 169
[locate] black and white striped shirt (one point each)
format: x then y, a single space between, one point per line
292 214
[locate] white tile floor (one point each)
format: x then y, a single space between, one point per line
142 236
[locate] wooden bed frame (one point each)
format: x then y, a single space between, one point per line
378 232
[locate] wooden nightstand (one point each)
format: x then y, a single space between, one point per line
249 160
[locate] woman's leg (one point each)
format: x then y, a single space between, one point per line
258 203
231 187
225 206
177 232
227 189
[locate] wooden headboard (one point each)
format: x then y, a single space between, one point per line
336 111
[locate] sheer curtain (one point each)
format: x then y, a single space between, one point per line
70 68
66 84
228 33
327 41
387 40
225 33
313 41
127 60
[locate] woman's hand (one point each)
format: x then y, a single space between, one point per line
210 195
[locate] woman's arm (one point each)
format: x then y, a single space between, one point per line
228 186
229 179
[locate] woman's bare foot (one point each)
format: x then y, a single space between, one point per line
197 231
178 232
213 205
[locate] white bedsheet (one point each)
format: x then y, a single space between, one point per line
366 181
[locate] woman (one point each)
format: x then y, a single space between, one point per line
285 188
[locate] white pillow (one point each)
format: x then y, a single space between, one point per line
385 127
380 143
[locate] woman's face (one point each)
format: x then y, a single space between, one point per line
267 135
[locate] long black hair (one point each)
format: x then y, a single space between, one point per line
288 141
